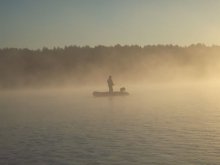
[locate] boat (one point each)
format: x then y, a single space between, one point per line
122 92
109 94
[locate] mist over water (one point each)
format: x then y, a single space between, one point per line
156 124
87 66
48 114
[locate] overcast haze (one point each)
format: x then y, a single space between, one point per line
34 24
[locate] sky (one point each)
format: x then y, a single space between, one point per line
57 23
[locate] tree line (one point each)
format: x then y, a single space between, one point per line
90 65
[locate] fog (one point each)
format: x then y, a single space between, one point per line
48 113
90 66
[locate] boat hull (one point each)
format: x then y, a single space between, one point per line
108 94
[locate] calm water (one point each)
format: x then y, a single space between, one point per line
167 126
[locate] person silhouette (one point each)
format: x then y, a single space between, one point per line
110 84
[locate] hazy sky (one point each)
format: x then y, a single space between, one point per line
38 23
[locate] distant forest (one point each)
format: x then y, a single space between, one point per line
91 65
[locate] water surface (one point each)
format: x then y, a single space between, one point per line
158 125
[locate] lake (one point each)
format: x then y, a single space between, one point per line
159 125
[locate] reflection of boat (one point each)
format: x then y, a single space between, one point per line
107 94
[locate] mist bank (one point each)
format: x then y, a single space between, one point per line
74 65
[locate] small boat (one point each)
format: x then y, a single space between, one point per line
122 92
109 94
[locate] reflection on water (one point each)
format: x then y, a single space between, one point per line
151 126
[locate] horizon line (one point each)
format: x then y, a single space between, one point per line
115 45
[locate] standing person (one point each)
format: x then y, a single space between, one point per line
110 84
